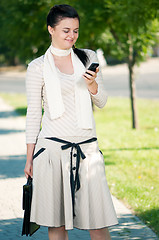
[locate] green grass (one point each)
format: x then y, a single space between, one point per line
131 156
18 101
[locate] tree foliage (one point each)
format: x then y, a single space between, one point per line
118 24
23 28
110 24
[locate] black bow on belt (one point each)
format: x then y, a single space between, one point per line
75 183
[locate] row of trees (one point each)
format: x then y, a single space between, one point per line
126 29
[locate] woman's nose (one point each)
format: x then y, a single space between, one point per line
72 34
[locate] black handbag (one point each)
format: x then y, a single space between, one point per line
28 227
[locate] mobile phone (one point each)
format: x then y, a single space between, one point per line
93 67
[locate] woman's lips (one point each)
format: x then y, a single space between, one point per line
69 40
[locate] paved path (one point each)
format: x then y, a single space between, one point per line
115 79
146 79
12 161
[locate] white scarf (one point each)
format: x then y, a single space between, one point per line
53 90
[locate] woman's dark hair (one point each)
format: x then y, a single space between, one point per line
60 12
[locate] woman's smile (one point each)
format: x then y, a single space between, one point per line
69 40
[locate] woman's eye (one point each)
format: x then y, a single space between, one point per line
66 31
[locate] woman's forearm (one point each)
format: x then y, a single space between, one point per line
28 170
93 88
30 151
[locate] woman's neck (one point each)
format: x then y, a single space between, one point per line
60 52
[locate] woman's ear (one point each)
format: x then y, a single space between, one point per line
50 30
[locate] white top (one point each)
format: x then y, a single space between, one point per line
66 125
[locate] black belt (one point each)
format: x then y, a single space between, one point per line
75 184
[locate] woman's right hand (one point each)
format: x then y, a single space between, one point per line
28 170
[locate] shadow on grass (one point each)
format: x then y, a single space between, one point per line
151 218
21 110
107 160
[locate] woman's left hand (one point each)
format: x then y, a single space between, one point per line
90 80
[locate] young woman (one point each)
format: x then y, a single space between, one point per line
69 184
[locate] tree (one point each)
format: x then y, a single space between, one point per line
133 29
128 27
125 28
23 28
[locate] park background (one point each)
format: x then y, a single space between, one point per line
128 127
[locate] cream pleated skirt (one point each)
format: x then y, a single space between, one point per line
52 200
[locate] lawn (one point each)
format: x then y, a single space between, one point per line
131 156
18 101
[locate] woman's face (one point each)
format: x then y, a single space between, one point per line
65 33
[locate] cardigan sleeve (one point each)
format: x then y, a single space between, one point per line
100 98
34 101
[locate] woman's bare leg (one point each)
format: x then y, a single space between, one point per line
57 233
100 234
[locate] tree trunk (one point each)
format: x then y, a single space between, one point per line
131 63
133 96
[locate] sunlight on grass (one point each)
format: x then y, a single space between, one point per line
18 101
131 156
